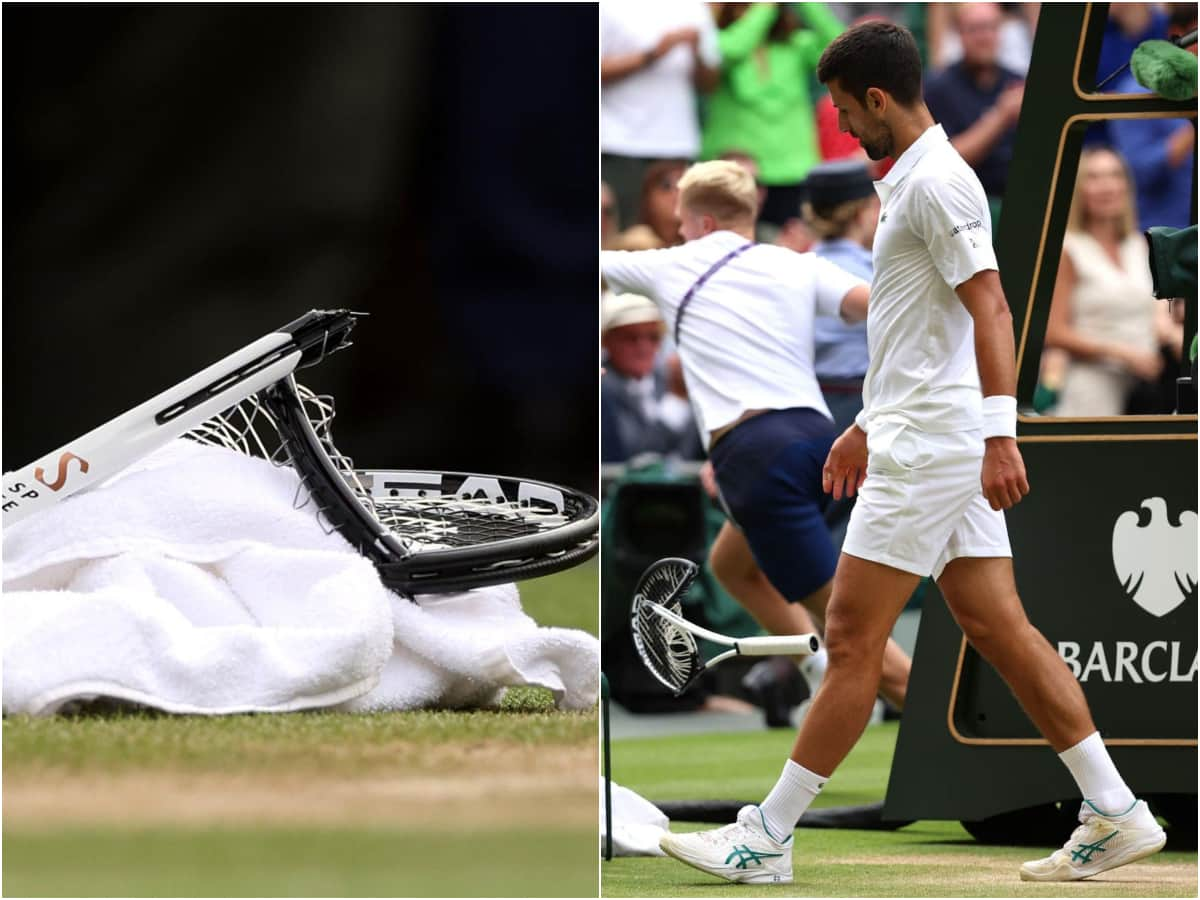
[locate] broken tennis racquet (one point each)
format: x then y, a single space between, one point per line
666 641
425 531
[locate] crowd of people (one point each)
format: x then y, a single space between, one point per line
683 82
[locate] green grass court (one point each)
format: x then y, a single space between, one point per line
925 859
431 803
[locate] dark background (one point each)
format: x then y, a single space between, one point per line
181 180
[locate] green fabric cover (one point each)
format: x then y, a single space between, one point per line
1173 261
1167 70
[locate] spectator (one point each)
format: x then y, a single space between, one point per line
1160 151
657 223
843 211
1015 39
762 103
642 404
1103 313
977 100
1127 26
653 58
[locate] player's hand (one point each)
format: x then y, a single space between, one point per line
1004 481
846 466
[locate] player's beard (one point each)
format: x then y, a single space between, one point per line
878 146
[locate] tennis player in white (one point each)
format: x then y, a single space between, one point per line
934 461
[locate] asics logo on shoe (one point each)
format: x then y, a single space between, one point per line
745 856
1083 854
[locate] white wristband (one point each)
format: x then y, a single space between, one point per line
999 416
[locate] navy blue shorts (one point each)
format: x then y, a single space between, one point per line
769 471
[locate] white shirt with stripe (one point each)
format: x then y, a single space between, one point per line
746 339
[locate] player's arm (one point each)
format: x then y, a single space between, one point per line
631 271
1004 481
853 307
838 292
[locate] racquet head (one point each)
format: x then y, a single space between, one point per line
425 531
667 650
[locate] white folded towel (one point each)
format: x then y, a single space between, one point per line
190 583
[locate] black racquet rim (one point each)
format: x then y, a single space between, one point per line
425 571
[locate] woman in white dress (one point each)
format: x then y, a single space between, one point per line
1104 318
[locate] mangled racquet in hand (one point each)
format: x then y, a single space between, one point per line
666 641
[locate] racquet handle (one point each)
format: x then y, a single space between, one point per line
106 450
779 645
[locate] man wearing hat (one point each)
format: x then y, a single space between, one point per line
642 409
843 210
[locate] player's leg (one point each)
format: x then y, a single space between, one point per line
734 565
1115 828
867 598
982 596
757 848
889 545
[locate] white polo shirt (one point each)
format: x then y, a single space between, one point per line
746 339
652 113
935 232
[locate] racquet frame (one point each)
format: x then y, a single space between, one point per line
98 455
767 645
262 372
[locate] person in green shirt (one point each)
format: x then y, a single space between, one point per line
763 103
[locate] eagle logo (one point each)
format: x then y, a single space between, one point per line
1155 560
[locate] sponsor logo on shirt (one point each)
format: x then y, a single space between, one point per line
970 226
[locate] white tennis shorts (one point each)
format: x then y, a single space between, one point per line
922 504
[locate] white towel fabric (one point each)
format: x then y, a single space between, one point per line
637 823
190 583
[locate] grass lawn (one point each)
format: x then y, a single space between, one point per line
429 803
925 859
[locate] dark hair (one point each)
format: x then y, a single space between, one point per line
874 55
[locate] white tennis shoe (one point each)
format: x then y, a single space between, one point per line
743 852
1100 843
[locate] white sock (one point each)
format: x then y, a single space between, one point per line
793 792
813 669
1098 779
